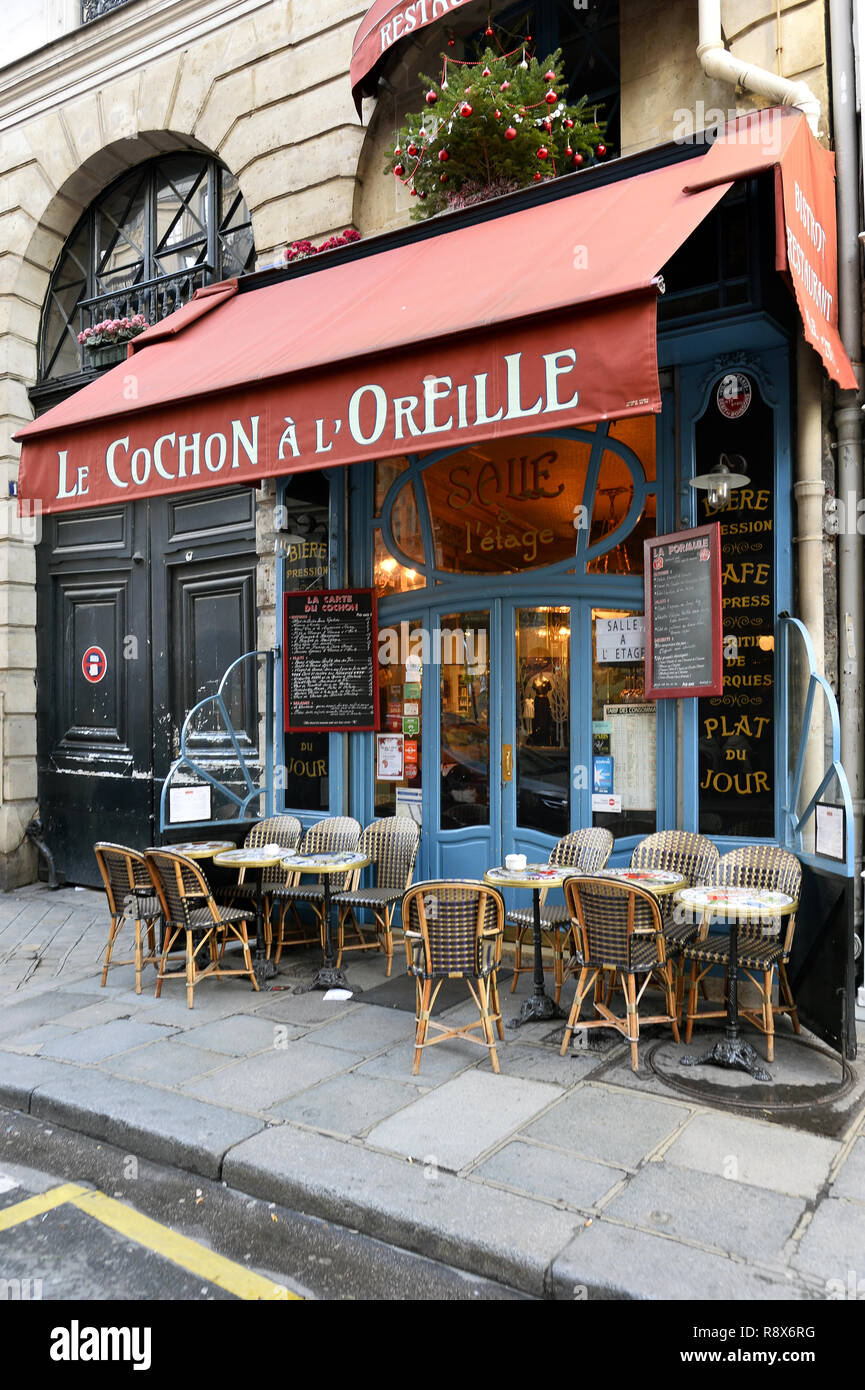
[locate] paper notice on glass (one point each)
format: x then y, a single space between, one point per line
188 804
830 831
389 760
632 747
612 805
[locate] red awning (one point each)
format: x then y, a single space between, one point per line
542 318
383 25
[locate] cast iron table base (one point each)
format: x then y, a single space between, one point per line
329 976
733 1050
540 1008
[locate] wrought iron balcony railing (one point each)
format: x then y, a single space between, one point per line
155 299
95 9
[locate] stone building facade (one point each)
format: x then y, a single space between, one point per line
263 86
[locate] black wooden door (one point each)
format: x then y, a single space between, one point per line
94 690
141 609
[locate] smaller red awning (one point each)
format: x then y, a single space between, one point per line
383 25
544 318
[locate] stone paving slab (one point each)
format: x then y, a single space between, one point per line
750 1151
541 1063
438 1063
32 1013
731 1216
104 1011
303 1009
607 1262
850 1181
833 1246
368 1030
601 1122
436 1124
237 1035
494 1233
166 1063
21 1074
257 1083
32 1042
349 1104
95 1044
550 1173
161 1125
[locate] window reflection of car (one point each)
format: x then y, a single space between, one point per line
465 773
543 790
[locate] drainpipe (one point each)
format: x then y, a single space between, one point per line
717 62
808 490
848 416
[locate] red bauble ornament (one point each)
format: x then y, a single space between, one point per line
569 123
421 195
414 192
497 115
600 150
510 133
465 109
578 159
451 43
397 152
486 73
504 87
551 98
528 38
431 98
568 152
443 178
412 150
538 176
549 76
398 170
543 152
443 155
490 33
548 125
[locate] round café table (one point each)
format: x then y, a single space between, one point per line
730 906
325 864
658 881
200 849
256 859
539 1007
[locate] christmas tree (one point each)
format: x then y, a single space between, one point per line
491 125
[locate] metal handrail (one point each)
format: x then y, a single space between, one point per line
157 298
189 764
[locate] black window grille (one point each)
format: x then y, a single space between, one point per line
144 247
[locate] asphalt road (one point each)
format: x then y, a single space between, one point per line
198 1240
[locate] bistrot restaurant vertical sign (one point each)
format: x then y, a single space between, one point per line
684 646
330 660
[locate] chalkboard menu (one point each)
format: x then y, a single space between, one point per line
330 660
682 577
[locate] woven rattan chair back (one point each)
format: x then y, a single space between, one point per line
392 845
612 922
284 831
451 918
178 882
124 874
584 851
761 866
679 852
276 830
330 836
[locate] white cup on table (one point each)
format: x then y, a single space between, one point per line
515 863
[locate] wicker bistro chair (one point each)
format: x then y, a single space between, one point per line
191 913
764 946
584 851
695 858
325 837
453 930
392 845
129 890
284 831
618 928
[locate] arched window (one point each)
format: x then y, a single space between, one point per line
144 247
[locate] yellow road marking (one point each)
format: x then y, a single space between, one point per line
206 1264
35 1206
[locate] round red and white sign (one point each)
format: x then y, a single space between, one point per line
734 395
94 664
